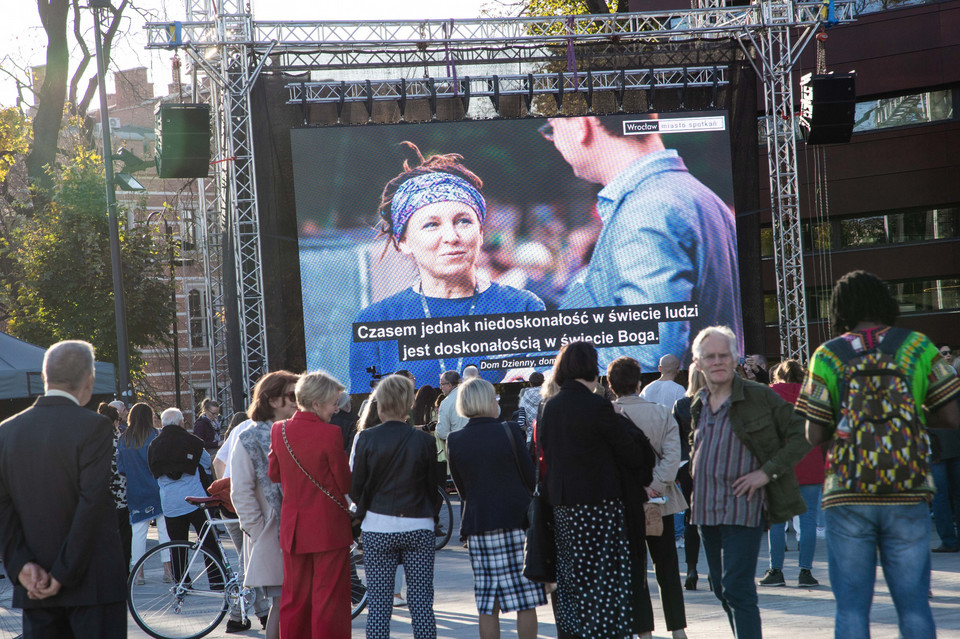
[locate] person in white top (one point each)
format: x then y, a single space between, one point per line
448 421
665 391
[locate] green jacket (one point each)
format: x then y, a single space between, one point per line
774 434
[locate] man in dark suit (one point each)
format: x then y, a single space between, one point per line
58 534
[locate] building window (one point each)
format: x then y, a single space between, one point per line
884 229
188 229
900 228
913 296
903 110
195 309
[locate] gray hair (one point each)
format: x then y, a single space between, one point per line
471 372
344 402
477 398
171 417
120 406
450 377
317 387
720 331
67 364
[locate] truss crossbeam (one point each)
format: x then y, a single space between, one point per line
438 35
491 86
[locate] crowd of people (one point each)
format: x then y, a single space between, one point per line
731 459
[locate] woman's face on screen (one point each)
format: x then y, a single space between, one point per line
444 239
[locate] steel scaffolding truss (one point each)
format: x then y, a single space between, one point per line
229 49
500 85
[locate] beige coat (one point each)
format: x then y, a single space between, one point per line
263 560
658 424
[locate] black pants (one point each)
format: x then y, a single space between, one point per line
663 553
178 528
691 533
126 534
105 621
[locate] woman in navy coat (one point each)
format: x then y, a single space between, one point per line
495 476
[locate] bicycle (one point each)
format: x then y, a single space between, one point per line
444 528
192 605
358 580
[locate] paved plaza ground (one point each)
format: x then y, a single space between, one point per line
788 612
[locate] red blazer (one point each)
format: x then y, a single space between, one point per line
309 520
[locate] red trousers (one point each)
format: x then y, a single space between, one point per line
315 601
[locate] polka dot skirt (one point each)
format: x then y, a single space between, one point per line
593 571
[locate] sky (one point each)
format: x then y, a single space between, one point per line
23 41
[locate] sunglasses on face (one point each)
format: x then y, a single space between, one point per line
292 396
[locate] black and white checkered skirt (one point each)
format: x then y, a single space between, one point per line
497 561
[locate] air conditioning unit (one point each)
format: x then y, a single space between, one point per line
114 123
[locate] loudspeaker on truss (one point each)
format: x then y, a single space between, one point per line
183 140
827 107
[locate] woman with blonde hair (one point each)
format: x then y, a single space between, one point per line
395 489
494 476
308 461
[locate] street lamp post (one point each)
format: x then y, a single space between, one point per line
119 304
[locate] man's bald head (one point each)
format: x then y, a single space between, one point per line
669 366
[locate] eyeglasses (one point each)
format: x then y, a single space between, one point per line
945 352
546 131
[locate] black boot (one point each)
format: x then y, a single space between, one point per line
691 581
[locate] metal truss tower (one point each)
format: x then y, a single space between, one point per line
230 48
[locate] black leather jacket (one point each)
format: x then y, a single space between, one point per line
395 472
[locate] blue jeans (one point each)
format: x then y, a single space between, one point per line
732 561
946 476
902 535
808 531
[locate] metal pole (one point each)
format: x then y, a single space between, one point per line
119 305
176 320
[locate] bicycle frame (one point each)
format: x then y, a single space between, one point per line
233 580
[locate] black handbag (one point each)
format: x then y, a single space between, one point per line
540 554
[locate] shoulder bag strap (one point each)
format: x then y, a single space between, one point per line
516 458
283 431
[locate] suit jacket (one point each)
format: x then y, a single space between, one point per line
586 446
484 468
309 520
55 503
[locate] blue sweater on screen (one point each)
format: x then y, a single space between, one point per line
408 304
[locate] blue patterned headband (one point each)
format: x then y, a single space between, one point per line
430 188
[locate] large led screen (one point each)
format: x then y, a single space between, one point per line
433 246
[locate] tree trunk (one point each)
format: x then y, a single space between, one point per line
52 95
598 6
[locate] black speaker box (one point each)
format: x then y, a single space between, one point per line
183 140
827 107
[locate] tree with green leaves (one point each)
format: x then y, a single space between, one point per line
61 284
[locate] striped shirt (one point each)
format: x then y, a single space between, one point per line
719 458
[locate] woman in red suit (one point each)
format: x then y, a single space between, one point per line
315 532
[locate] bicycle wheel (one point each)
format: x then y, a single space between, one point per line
358 581
444 529
185 608
11 624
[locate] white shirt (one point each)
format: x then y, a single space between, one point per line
53 392
663 392
226 449
449 420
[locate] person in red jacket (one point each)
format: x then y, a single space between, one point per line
306 452
787 378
